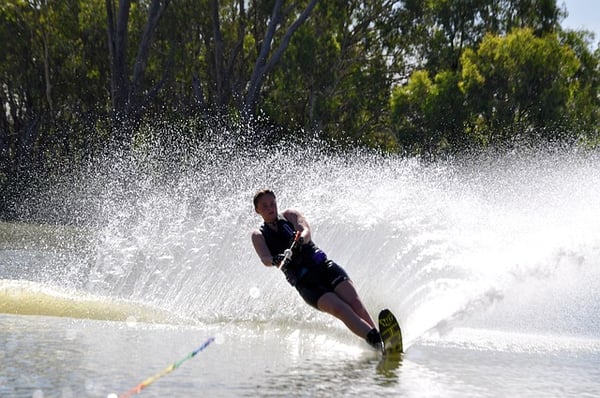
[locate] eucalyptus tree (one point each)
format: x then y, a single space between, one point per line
337 72
438 31
430 113
129 94
519 85
49 77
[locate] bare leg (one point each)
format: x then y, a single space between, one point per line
347 293
336 306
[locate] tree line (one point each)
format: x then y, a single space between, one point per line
414 76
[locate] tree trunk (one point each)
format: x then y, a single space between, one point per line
264 65
218 54
117 49
47 73
154 14
127 94
227 86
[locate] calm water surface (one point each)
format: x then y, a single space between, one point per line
61 357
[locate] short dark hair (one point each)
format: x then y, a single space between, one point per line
260 194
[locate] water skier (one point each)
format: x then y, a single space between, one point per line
320 282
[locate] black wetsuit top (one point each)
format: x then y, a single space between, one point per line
280 240
309 270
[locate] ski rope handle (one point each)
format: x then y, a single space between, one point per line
287 254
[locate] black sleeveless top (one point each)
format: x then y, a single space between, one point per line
280 240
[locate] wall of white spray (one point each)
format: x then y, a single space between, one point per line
440 243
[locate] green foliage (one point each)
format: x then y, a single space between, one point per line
428 115
519 84
437 31
336 74
515 87
418 76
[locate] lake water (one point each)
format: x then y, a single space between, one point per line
491 265
62 357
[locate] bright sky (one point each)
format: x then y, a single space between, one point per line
583 14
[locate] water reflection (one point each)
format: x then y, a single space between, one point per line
388 368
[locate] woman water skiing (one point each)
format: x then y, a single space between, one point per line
320 282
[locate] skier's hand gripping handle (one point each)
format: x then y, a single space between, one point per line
288 253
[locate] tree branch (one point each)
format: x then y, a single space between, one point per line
156 11
263 66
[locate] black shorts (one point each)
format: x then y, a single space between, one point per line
319 280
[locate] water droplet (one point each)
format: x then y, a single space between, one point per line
254 292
